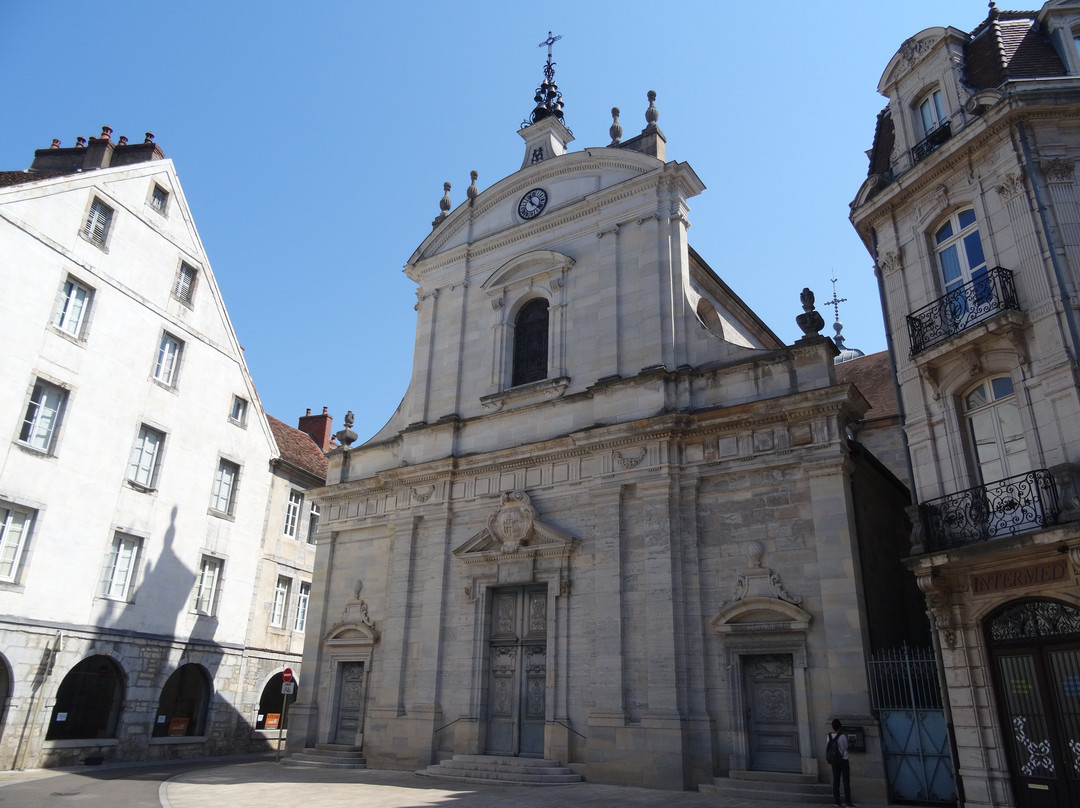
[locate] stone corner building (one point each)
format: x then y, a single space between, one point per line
972 213
612 522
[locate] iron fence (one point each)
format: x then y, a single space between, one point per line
962 308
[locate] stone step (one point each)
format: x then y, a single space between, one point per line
334 749
780 790
304 761
328 756
502 769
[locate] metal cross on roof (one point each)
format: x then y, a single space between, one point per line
835 302
551 40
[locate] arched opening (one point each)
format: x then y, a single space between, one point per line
271 704
531 343
88 701
184 701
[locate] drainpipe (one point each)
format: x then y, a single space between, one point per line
939 660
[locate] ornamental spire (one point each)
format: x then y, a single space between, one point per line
548 99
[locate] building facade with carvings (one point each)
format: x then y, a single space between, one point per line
972 213
613 521
153 538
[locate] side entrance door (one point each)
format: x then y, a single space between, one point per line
350 702
771 720
517 671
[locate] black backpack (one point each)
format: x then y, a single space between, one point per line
832 749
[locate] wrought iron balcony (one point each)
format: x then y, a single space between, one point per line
929 143
1004 508
962 308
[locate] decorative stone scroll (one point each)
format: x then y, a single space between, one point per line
514 531
760 601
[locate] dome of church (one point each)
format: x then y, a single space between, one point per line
846 353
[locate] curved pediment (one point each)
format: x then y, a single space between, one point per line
528 265
761 615
351 634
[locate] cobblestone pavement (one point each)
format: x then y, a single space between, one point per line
259 785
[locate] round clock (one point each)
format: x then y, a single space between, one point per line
532 204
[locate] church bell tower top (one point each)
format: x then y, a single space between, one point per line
544 131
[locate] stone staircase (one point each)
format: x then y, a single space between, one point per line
496 769
775 786
328 756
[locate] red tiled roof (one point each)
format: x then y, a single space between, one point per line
873 376
298 448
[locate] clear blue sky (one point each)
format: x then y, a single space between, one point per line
312 141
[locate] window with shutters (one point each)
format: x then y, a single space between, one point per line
531 343
118 578
167 367
146 457
15 523
223 498
98 223
43 414
184 287
72 307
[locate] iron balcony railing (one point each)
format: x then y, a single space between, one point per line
962 308
1004 508
929 143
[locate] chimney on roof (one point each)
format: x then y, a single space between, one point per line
101 152
318 427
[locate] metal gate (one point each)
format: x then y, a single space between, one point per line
905 694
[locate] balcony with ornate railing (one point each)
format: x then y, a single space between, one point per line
932 141
962 308
1004 508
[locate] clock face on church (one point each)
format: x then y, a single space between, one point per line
532 204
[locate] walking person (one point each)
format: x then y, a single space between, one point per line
836 754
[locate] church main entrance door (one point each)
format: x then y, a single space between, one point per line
350 702
772 724
517 671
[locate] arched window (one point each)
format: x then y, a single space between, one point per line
959 251
531 343
997 435
271 703
88 701
183 703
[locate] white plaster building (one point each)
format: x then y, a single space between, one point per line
615 521
972 213
135 479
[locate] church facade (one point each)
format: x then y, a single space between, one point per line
613 521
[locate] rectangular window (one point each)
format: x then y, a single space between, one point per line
98 222
313 523
43 416
184 288
14 529
159 199
72 307
292 512
224 497
145 457
207 583
301 606
120 567
167 367
238 413
281 601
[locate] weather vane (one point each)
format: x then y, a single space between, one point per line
835 302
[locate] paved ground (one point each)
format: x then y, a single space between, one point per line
263 784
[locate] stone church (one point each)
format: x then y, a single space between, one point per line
615 522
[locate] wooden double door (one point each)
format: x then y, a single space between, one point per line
517 671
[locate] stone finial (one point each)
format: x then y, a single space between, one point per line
754 553
106 132
652 114
346 436
472 192
616 128
80 142
444 206
149 137
810 321
55 143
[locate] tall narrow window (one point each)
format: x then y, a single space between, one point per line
531 343
14 529
98 222
224 494
959 250
238 413
72 307
292 512
281 601
207 583
167 367
43 416
932 112
313 523
145 457
120 567
302 606
184 287
997 435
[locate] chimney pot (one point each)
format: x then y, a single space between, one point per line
324 410
106 132
55 143
149 137
306 414
80 142
123 140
